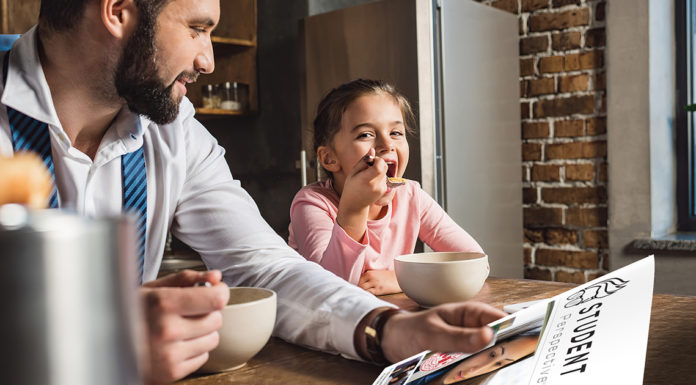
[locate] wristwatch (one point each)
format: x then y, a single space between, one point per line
374 333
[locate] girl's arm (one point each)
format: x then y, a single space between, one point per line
320 239
440 231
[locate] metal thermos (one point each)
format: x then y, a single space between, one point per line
69 299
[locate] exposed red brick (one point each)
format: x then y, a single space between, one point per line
570 276
569 128
547 216
563 3
595 38
527 67
533 236
571 195
560 236
584 60
507 5
602 177
535 130
605 261
584 104
546 173
579 172
566 258
537 273
531 151
525 178
534 5
551 64
524 84
596 126
595 238
600 12
542 86
534 44
600 81
565 41
561 20
527 255
529 195
524 110
603 104
587 216
574 83
576 150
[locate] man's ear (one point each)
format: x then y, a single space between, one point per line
119 17
327 159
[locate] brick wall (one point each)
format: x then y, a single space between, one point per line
564 151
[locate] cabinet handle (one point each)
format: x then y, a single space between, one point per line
303 167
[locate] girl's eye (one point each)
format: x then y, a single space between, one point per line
492 354
397 133
365 135
498 363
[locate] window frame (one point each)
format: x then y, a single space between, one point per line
685 145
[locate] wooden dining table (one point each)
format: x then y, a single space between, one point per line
670 358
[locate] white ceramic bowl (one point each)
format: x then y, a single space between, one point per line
247 323
435 278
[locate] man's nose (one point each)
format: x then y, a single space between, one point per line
205 60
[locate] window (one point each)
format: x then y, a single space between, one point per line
685 21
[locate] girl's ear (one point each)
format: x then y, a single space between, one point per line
327 159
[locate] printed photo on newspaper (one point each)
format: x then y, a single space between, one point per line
516 337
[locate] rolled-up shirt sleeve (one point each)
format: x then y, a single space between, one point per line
218 219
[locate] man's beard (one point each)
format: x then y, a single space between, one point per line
137 79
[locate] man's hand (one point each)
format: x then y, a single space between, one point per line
182 322
379 282
455 327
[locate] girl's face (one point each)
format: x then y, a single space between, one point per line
492 358
371 121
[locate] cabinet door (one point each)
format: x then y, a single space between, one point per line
379 40
18 16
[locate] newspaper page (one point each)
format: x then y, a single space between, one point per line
594 333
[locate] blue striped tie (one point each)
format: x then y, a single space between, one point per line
29 134
134 179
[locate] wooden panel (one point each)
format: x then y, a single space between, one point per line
19 16
375 41
237 19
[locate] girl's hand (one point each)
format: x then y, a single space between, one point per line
363 186
379 282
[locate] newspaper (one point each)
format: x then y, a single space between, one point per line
594 333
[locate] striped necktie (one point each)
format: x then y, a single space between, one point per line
29 134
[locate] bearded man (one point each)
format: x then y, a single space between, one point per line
98 89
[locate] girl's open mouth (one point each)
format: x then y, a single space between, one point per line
391 170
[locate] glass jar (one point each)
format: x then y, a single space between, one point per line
233 96
210 97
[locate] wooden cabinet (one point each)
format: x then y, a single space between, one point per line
234 43
235 46
17 17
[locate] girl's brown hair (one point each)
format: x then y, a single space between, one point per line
334 104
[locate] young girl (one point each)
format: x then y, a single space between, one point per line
355 223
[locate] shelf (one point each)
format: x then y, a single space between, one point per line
232 41
219 112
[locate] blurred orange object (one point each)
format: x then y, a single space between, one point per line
24 179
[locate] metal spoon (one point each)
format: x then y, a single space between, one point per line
391 181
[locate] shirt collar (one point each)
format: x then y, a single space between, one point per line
26 89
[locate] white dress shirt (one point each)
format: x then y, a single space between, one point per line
191 191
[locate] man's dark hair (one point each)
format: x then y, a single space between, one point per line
62 15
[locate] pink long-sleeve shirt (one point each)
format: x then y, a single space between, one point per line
412 214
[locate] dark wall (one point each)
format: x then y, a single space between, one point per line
262 149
